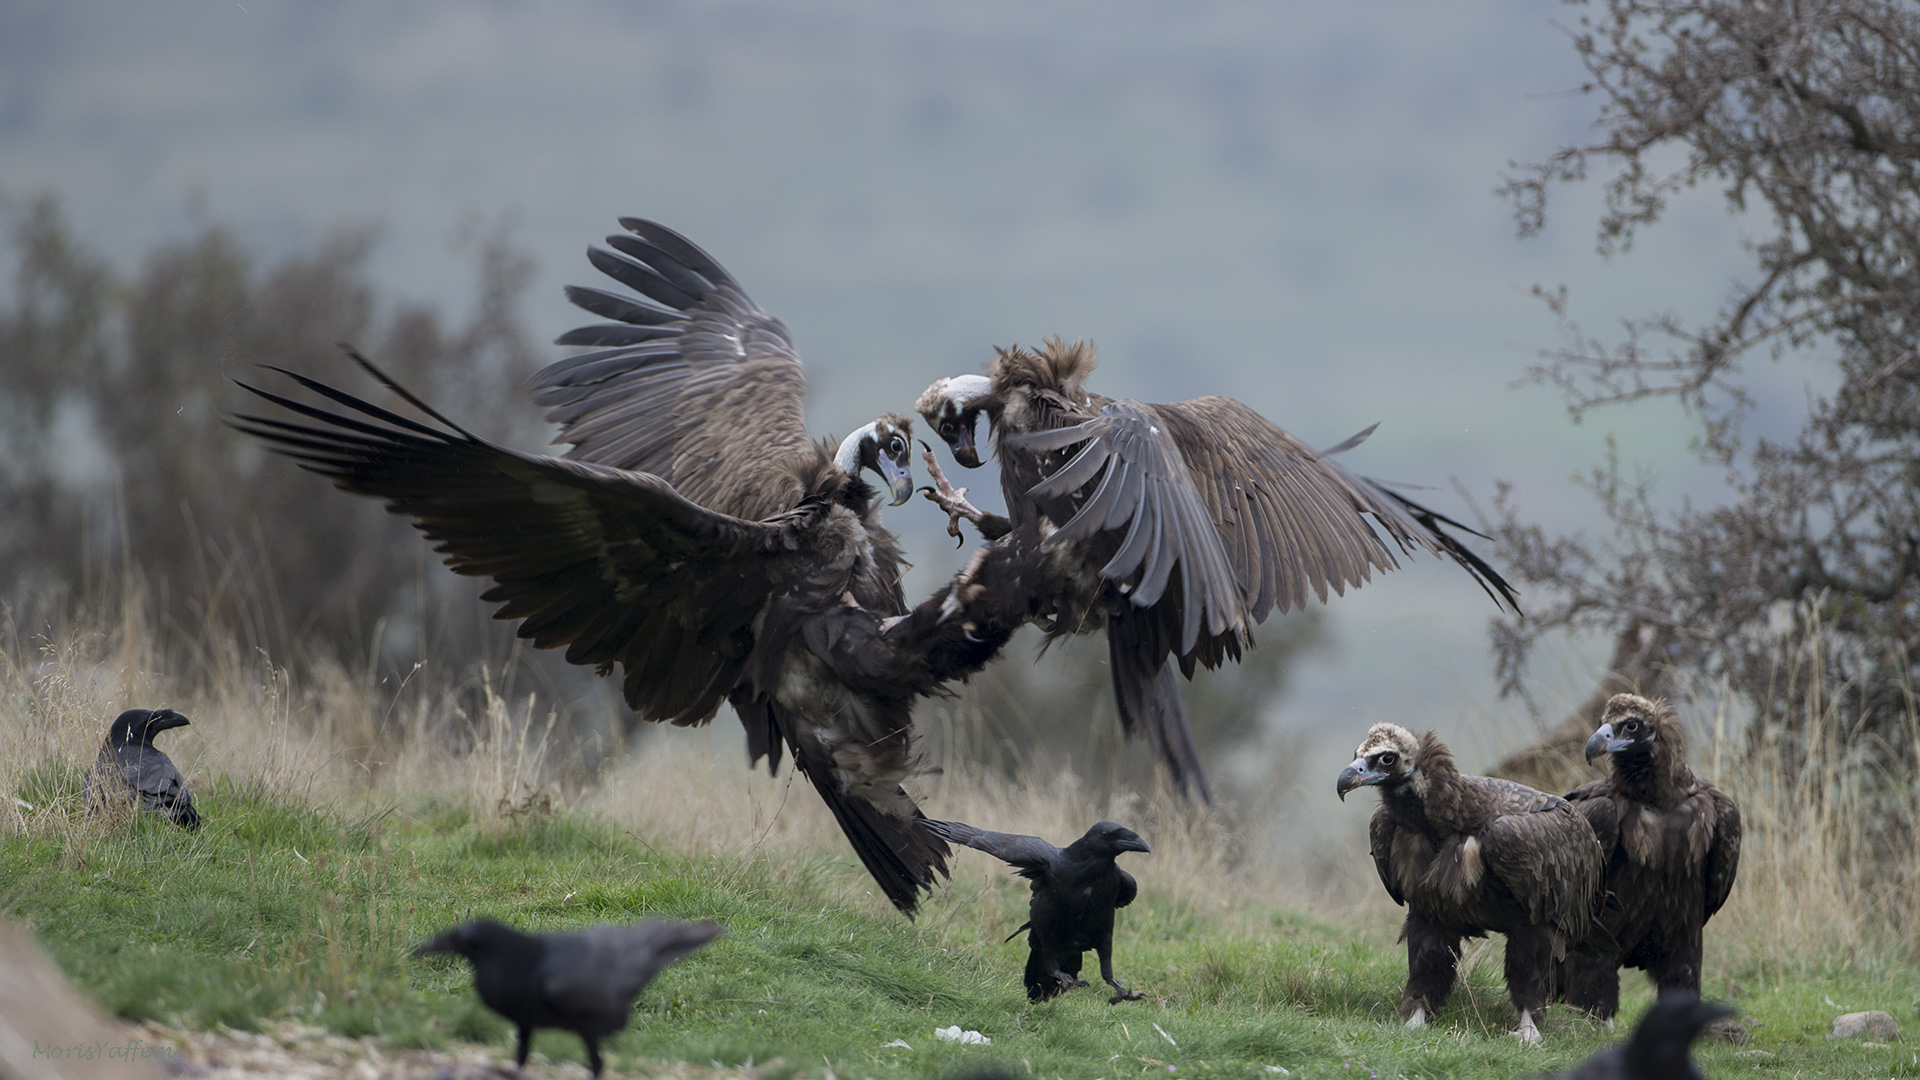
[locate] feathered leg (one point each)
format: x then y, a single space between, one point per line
1529 969
1433 961
1678 966
1593 984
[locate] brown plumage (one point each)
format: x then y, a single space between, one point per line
1176 527
1470 855
752 569
1672 846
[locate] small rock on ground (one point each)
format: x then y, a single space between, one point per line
1873 1024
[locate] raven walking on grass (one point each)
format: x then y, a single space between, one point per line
583 982
1661 1047
1075 892
130 767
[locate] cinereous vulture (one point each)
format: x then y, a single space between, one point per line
695 537
1175 526
1469 855
1672 846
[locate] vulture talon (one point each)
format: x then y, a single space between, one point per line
943 494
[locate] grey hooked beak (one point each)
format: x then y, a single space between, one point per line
899 478
964 450
1357 774
1604 742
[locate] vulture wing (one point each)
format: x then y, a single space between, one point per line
1723 856
1293 520
1030 856
691 382
1540 847
617 566
1595 802
1380 844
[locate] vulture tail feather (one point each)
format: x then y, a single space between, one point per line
1151 709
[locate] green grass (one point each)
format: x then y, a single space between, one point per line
278 909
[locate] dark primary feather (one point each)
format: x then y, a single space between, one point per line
695 383
583 982
1661 1047
130 767
1076 890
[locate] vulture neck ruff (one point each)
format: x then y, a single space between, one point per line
1654 772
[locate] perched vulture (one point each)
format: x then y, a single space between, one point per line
695 537
1662 1044
1672 846
1076 890
1469 855
583 982
1175 526
131 767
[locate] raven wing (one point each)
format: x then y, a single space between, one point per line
1030 856
617 962
615 565
700 387
1541 848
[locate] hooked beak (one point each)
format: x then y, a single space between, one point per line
1357 774
1604 742
899 479
964 450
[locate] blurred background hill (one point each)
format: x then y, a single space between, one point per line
1288 203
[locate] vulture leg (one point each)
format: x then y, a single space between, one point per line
954 501
1593 984
1120 993
1433 961
1529 970
1679 965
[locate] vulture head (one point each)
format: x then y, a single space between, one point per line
137 727
1633 725
1110 839
1385 759
951 406
884 447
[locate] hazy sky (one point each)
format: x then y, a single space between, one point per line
1287 202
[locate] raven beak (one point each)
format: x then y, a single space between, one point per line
440 943
964 450
1356 775
1136 844
1604 742
899 478
166 720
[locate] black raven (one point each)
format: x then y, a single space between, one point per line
1661 1046
1075 892
583 982
130 766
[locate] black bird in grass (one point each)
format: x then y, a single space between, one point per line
1661 1047
583 982
130 766
1075 892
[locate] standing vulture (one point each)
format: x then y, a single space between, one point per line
1672 846
1176 526
695 537
1469 855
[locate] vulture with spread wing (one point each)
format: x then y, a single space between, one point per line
1175 526
694 536
1672 847
1469 855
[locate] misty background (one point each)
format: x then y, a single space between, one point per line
1287 203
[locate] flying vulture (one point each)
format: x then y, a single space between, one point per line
694 536
1469 855
131 767
583 982
1076 890
1175 526
1672 846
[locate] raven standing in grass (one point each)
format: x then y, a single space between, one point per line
1661 1047
130 767
1075 892
583 982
